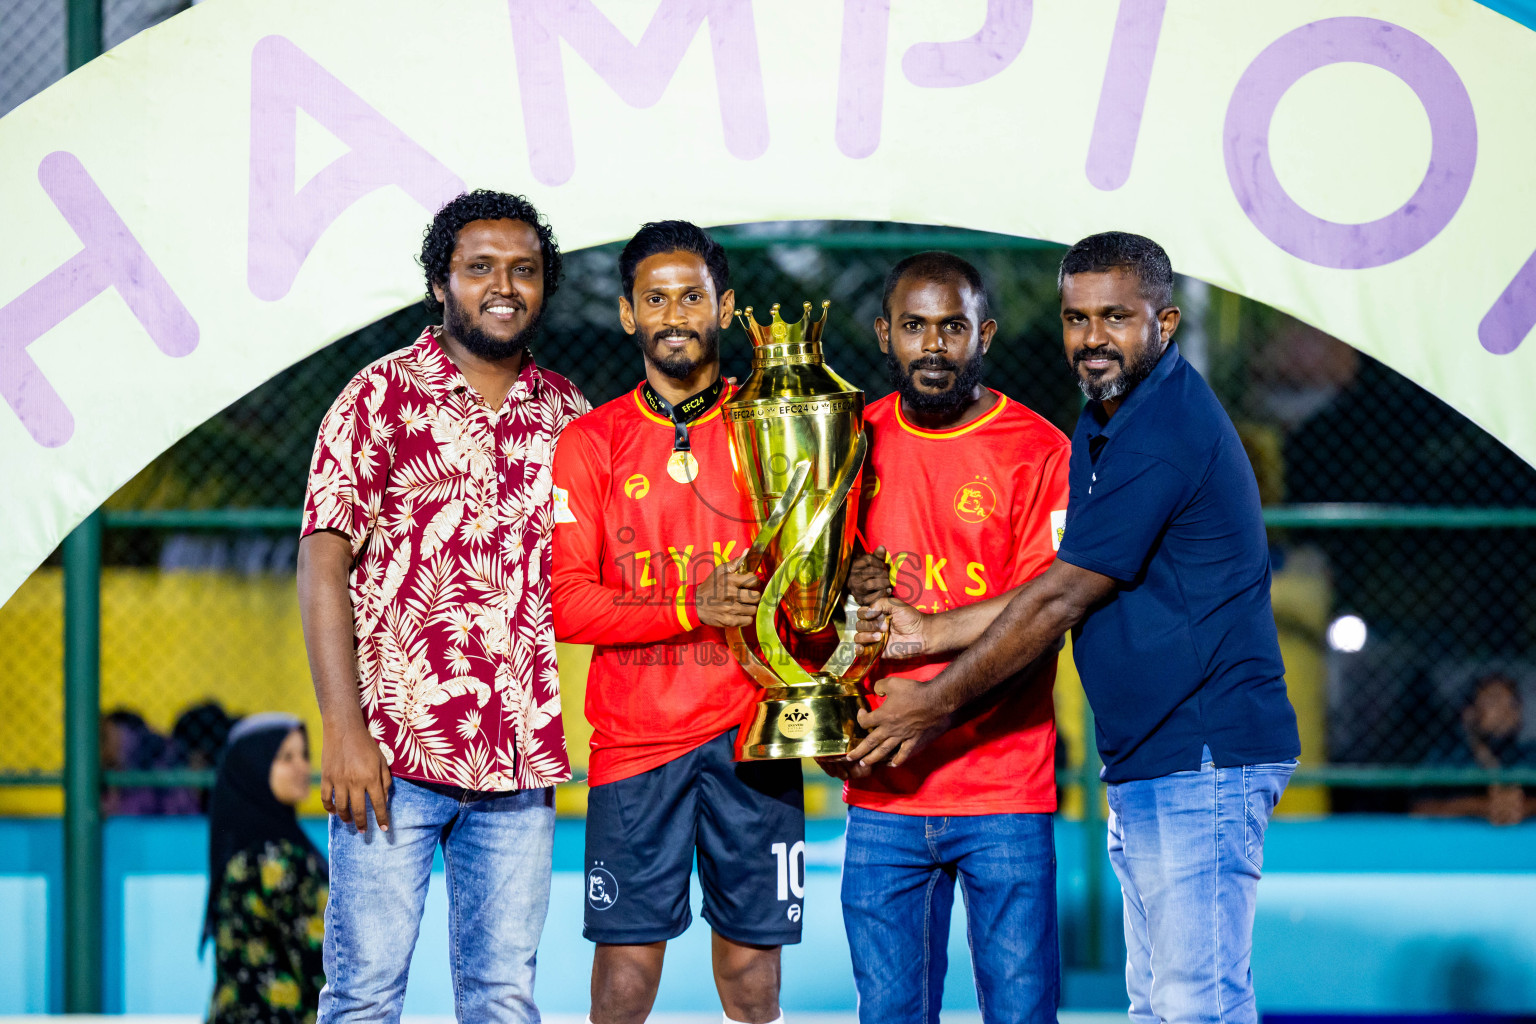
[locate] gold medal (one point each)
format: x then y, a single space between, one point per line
683 467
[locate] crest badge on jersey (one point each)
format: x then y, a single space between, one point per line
1058 527
637 486
975 501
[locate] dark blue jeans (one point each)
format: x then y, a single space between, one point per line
899 875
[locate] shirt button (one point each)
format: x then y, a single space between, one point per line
501 477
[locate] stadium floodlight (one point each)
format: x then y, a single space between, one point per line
1347 633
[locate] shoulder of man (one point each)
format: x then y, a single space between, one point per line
602 423
1185 427
379 376
881 409
1029 428
564 391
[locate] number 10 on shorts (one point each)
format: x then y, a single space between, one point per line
791 863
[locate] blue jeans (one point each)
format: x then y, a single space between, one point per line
497 850
1188 849
899 874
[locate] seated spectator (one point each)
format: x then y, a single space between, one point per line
267 883
197 739
1491 727
129 744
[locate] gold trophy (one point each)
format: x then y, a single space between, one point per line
798 447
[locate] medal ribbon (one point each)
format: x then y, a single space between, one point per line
684 412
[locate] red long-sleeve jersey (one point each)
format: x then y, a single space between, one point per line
631 540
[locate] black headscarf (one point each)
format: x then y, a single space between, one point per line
243 813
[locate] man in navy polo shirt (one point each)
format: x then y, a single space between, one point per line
1163 574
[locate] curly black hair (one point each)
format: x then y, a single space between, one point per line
482 204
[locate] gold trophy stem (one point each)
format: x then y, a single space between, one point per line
790 689
761 674
767 609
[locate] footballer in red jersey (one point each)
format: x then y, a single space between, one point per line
649 533
969 493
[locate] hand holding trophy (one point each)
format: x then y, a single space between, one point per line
798 447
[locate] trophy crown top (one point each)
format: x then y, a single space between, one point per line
778 332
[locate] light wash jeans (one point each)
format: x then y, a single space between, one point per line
1188 849
899 875
497 850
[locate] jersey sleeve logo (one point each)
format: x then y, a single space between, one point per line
637 486
1058 528
563 506
975 501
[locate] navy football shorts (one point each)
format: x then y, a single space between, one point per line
746 822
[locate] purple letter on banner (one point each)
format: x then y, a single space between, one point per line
639 73
285 226
861 76
1124 95
112 258
1453 151
1513 314
976 59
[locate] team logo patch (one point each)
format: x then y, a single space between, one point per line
975 501
602 889
637 486
563 506
1058 527
795 721
793 912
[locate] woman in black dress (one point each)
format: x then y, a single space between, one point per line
267 881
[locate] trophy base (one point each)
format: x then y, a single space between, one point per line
817 725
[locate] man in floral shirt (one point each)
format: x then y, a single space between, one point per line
424 587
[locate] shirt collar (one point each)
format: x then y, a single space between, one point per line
1097 425
448 380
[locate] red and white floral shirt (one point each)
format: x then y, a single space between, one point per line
447 504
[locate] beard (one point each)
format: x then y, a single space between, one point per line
1099 389
458 324
956 397
680 366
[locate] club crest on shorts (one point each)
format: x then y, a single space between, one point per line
602 889
793 912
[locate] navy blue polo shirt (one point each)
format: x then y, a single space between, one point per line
1185 655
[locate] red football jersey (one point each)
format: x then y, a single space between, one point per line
632 537
967 514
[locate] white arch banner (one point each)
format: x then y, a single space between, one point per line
225 194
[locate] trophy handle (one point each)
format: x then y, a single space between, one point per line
767 635
761 674
851 661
